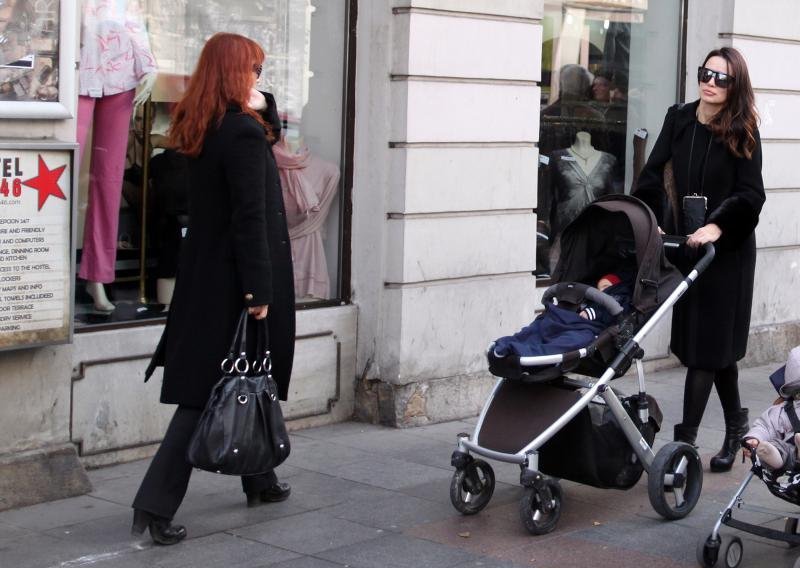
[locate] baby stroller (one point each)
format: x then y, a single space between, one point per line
783 484
555 425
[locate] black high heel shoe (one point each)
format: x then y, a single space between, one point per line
162 531
736 426
273 494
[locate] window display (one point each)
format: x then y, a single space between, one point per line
28 51
133 201
32 56
609 69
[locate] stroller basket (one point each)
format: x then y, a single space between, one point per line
591 449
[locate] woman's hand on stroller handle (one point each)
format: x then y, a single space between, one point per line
706 234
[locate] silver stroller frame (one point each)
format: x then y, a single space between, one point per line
730 547
667 470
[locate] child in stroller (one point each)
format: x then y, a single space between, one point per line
773 436
573 320
615 287
772 446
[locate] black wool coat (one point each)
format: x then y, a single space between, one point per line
236 253
711 323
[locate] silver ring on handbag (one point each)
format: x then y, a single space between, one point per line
266 364
229 370
256 366
242 398
246 365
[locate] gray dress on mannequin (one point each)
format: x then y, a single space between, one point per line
573 189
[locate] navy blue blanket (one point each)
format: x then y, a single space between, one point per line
557 330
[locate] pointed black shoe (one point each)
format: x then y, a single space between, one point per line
273 494
735 428
162 531
686 434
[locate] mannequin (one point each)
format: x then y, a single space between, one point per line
115 59
586 156
309 186
580 174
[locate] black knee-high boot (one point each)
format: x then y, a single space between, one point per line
696 391
686 434
736 422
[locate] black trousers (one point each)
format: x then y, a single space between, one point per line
164 485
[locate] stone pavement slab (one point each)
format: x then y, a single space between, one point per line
398 551
307 562
309 533
369 496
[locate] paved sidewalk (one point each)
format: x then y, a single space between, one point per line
366 496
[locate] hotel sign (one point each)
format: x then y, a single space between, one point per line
36 244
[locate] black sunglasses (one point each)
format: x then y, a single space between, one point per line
721 80
257 69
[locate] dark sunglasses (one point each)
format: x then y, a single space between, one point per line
257 69
721 80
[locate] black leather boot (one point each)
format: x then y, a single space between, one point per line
736 427
273 494
162 531
686 434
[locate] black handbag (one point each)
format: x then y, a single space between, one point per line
241 430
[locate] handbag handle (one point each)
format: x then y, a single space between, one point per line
262 348
233 362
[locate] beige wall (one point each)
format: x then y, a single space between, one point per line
445 186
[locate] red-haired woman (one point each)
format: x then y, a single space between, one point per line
236 254
715 150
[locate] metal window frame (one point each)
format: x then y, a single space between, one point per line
344 277
683 18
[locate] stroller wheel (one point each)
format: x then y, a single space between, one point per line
731 551
791 528
675 480
727 549
538 511
707 551
471 487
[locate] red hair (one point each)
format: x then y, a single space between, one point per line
224 76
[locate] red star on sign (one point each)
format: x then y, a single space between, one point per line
46 183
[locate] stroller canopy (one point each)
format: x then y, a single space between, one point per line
617 233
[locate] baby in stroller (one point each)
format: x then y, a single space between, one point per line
571 323
617 288
774 436
772 445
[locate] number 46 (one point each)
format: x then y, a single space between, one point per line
16 188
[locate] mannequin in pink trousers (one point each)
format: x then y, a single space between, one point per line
115 59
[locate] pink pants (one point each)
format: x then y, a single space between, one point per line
111 116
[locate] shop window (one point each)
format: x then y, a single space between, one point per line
610 70
305 70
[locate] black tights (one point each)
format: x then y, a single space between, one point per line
698 388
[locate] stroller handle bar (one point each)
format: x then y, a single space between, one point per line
701 266
676 241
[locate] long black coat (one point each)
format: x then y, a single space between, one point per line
236 253
711 323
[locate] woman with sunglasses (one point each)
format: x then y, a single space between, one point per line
715 151
236 254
